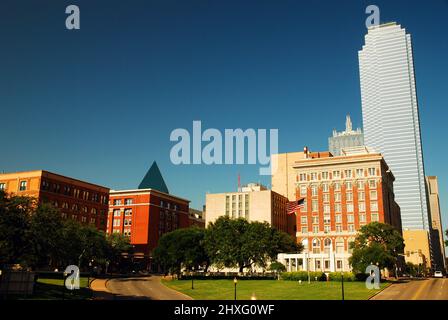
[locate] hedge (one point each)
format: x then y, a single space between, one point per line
303 275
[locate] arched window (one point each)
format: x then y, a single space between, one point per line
316 246
327 245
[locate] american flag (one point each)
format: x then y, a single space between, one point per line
292 206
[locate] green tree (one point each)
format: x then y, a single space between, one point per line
277 267
243 244
15 238
46 225
376 243
182 248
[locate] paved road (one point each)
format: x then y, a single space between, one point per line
143 288
427 289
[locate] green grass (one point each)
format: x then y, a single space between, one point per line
54 289
272 290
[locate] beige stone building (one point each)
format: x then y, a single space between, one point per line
253 202
438 260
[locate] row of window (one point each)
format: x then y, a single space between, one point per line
338 218
349 207
77 207
127 202
75 217
374 217
336 187
337 174
69 191
127 212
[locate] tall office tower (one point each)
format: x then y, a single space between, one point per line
390 116
346 138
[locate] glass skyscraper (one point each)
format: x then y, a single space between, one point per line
390 116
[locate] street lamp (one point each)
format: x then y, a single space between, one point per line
235 281
192 286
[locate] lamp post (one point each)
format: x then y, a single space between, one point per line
235 281
192 285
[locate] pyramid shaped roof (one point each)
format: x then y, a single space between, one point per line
153 180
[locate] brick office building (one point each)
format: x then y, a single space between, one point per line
76 199
341 195
146 213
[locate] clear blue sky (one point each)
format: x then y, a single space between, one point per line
99 103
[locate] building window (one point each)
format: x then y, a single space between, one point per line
303 220
314 190
362 218
337 197
315 205
348 185
326 229
359 173
302 177
372 171
127 222
374 206
338 228
117 202
372 184
313 176
92 220
339 245
2 186
362 206
361 196
304 230
315 229
93 211
349 196
374 217
327 219
315 220
316 246
83 219
325 187
303 190
325 175
128 202
351 228
116 222
348 173
117 213
350 218
22 185
337 207
128 212
326 208
360 184
338 218
339 264
336 174
349 207
373 195
326 197
337 186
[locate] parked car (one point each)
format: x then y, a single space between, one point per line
438 274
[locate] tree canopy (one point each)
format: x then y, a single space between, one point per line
376 243
243 244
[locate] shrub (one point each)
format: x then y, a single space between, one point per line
337 276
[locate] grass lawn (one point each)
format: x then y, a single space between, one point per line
54 289
272 290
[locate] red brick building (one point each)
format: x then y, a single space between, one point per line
146 213
78 200
341 194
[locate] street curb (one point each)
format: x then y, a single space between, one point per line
175 290
381 291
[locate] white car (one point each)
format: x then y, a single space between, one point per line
438 274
